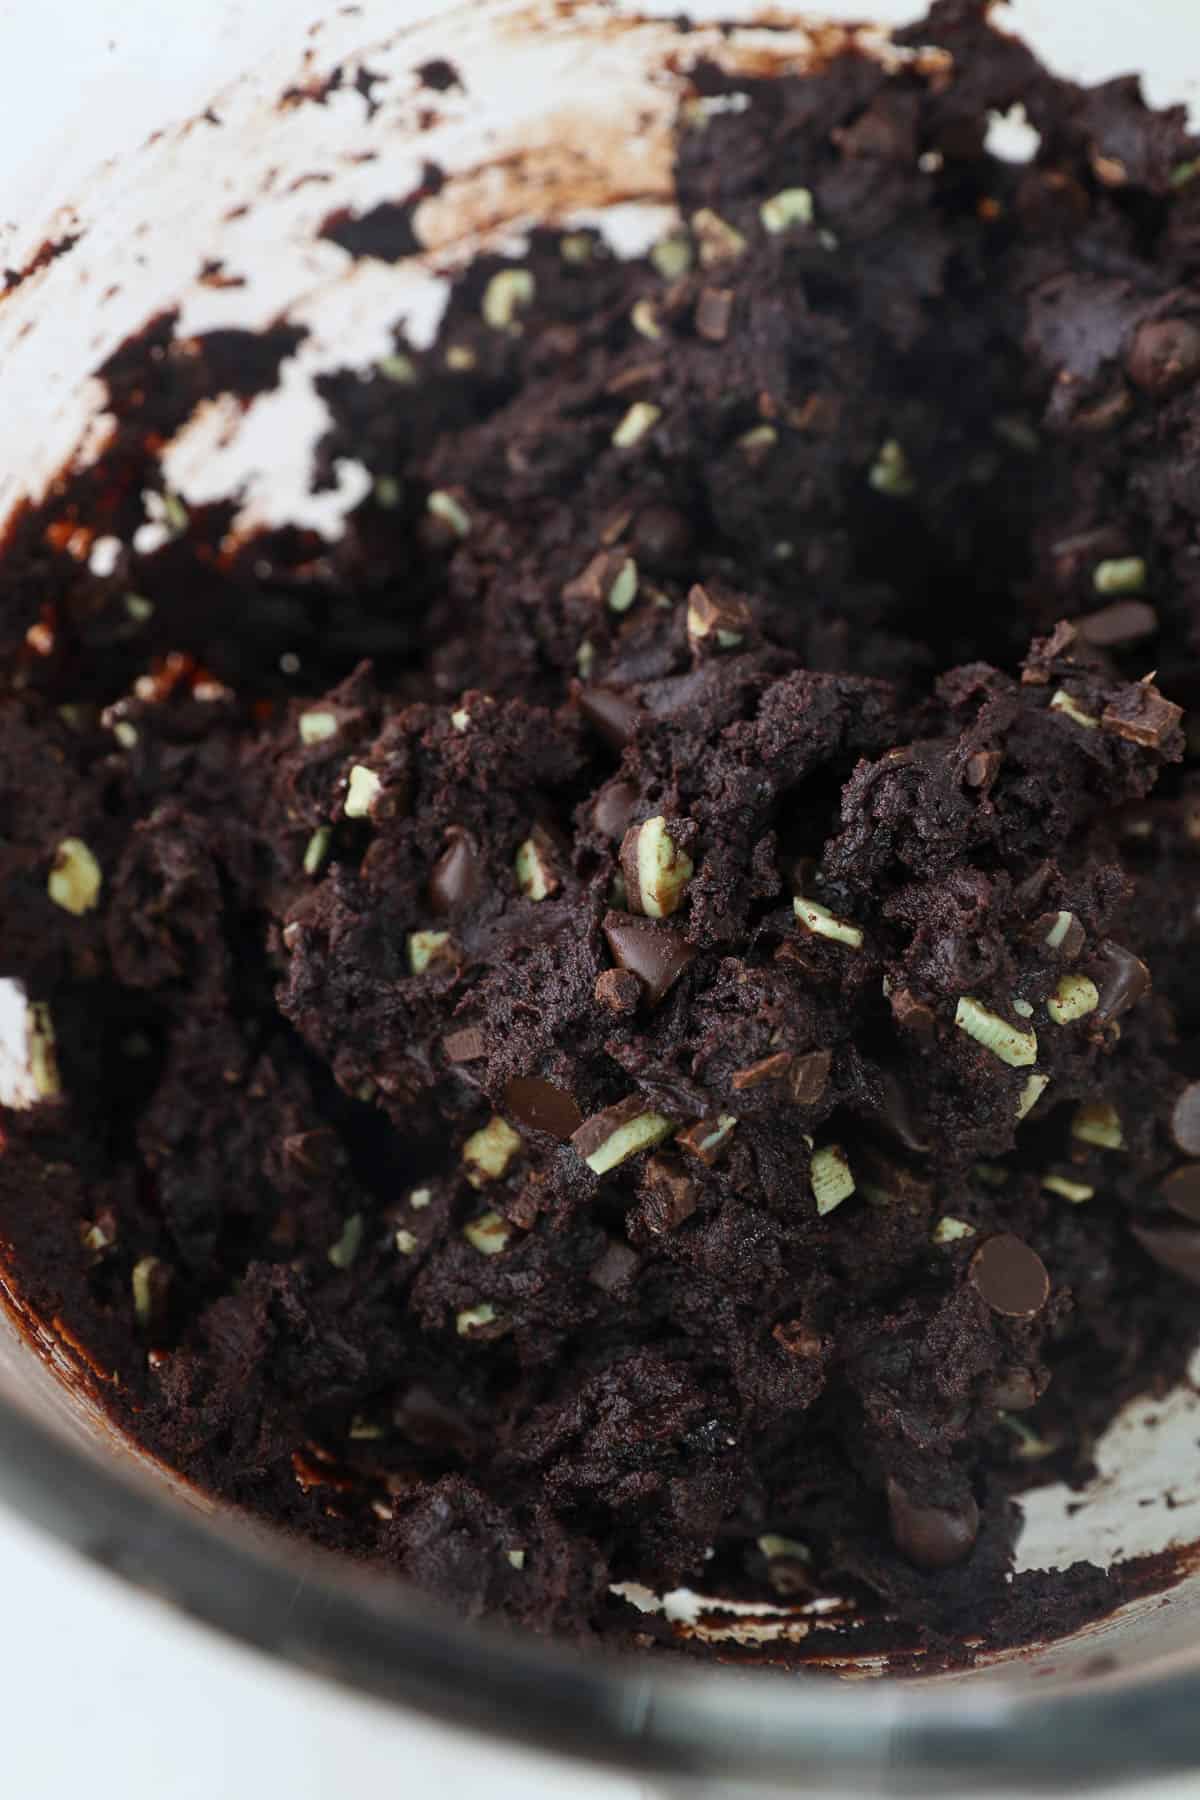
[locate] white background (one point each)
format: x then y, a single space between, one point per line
105 1693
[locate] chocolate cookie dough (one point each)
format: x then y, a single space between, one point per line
633 1022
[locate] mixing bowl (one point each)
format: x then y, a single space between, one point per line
227 144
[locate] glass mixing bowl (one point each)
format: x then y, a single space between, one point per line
225 145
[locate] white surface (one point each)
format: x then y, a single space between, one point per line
107 1694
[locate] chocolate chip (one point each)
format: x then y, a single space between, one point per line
657 954
770 1068
896 1114
542 1106
614 715
981 768
1175 1247
613 807
668 1196
1015 1391
932 1537
913 1014
619 990
1122 978
313 1154
1185 1119
1141 715
809 1077
714 309
1010 1277
1164 354
1181 1191
615 1268
457 875
1124 622
466 1045
662 537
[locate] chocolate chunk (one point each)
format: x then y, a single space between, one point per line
1175 1247
1010 1277
982 767
1122 978
613 807
716 620
1124 622
657 954
542 1106
615 1268
1181 1191
611 1137
896 1114
770 1068
913 1015
932 1537
457 875
619 990
1185 1119
809 1077
614 715
1141 715
467 1045
1164 355
1015 1391
1060 932
662 537
708 1138
668 1196
714 309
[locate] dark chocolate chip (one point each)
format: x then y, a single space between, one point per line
542 1106
614 1269
618 990
809 1077
1164 354
457 875
1122 978
1141 715
657 954
313 1153
714 309
1010 1277
466 1045
798 1339
932 1537
1185 1119
1181 1191
614 715
613 808
913 1015
769 1068
1015 1391
1124 622
668 1196
981 768
1175 1247
662 537
896 1115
